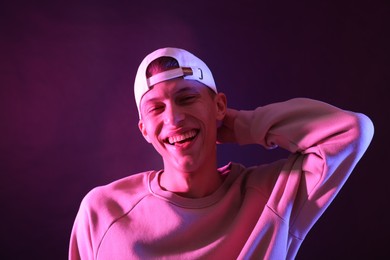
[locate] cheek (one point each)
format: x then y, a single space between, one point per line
210 124
153 129
205 110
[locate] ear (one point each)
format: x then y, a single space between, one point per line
221 105
142 128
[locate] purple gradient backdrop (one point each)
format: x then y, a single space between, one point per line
69 122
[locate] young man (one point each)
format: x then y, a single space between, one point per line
193 210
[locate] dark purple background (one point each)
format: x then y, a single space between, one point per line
69 121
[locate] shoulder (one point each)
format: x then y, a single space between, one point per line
260 177
117 197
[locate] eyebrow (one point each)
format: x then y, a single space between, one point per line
184 90
151 101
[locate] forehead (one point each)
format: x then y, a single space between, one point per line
173 87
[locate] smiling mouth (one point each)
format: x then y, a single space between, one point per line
182 138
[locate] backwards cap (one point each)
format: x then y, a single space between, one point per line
190 67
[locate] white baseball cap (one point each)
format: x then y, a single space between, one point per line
190 67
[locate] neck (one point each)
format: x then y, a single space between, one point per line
191 184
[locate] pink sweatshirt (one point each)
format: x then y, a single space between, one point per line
260 212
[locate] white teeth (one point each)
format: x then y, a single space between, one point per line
179 138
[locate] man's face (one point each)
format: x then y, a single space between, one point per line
179 118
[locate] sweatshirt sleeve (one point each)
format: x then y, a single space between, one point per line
82 240
300 123
325 142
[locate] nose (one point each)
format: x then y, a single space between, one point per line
173 115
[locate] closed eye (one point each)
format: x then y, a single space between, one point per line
188 99
154 109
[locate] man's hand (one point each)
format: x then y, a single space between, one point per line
225 133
